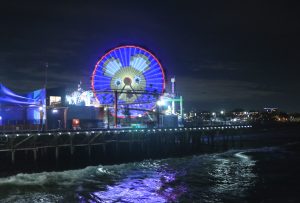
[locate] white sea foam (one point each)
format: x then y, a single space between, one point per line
149 180
33 198
44 178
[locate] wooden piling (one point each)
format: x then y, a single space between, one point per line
13 156
89 152
35 155
56 153
104 149
71 145
141 143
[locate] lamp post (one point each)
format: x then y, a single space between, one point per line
106 108
116 109
159 103
2 128
222 115
41 117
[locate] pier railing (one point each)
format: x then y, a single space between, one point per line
110 146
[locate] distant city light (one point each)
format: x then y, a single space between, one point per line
222 112
54 111
40 108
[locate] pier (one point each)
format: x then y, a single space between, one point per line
73 149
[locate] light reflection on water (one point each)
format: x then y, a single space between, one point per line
152 183
204 178
233 176
207 178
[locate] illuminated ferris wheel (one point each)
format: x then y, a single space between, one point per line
134 74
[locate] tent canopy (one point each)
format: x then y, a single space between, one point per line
9 98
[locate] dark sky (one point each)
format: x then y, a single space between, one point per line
224 54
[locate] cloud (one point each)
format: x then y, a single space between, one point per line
205 90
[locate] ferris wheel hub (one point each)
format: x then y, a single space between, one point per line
127 81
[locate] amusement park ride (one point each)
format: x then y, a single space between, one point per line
132 78
128 82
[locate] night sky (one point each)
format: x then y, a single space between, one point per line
224 54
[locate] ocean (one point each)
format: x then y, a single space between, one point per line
265 174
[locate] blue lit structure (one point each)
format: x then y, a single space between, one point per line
134 73
22 109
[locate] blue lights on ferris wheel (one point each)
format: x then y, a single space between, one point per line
134 73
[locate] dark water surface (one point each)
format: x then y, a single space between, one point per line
269 174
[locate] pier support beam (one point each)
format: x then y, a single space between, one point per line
104 148
13 157
71 145
56 153
35 155
89 152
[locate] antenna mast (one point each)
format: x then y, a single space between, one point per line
46 75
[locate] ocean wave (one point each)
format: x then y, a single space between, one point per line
33 198
149 180
44 178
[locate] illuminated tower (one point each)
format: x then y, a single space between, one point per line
173 94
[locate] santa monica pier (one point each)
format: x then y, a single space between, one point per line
127 114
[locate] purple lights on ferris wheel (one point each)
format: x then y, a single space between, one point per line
135 73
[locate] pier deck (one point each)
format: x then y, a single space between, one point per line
82 148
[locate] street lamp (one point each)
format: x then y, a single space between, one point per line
161 102
222 112
41 117
54 111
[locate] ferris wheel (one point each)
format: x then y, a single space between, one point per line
134 74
